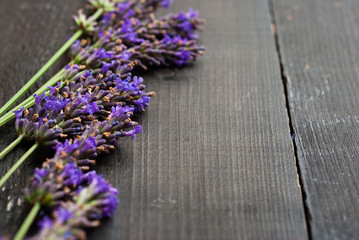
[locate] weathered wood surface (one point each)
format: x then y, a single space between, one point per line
319 48
215 159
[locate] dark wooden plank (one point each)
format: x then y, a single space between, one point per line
30 32
215 159
319 46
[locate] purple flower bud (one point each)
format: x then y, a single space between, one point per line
88 177
63 214
18 113
45 223
105 67
110 204
39 174
131 133
89 143
38 98
52 89
142 103
92 108
72 175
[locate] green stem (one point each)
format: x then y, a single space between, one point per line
21 233
47 65
11 146
17 164
97 14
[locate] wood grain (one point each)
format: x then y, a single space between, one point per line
215 159
319 47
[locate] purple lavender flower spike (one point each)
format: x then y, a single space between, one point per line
94 201
68 111
74 156
138 40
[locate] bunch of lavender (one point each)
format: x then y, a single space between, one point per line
155 46
127 43
93 104
66 112
120 31
142 9
59 117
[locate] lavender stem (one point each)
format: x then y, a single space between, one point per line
17 164
21 233
11 146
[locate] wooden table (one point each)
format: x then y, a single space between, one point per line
256 140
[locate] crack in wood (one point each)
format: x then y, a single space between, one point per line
287 105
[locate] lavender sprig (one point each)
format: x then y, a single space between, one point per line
170 40
55 184
89 205
116 34
66 112
59 175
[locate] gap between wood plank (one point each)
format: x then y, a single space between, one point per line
292 133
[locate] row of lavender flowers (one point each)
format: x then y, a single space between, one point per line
92 107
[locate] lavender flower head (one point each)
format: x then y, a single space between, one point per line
60 175
88 96
94 200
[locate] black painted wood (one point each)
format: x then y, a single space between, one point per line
215 159
319 48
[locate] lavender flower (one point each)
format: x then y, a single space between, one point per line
92 202
144 42
67 112
58 176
